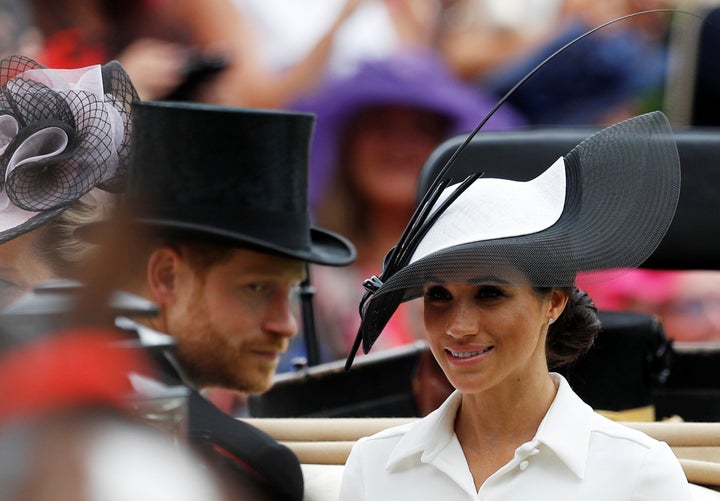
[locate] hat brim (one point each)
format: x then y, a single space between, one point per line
33 221
326 247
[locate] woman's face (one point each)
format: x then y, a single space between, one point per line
388 147
21 268
488 335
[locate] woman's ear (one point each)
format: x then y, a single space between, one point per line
162 274
558 301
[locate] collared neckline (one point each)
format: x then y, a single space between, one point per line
429 435
566 427
565 430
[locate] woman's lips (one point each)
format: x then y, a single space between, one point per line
467 355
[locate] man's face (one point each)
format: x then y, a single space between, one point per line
234 319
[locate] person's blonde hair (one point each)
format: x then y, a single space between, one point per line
57 243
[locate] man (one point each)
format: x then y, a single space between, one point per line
220 198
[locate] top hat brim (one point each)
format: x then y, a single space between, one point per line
326 247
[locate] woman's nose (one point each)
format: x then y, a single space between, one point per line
463 321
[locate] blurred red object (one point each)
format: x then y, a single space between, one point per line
82 366
68 49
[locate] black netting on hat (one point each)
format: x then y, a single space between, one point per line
621 190
120 92
62 134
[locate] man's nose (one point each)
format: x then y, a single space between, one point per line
279 317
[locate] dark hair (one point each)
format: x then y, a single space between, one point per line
200 256
203 256
573 333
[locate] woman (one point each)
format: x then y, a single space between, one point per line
496 270
375 129
64 144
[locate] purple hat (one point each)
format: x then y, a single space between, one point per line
417 79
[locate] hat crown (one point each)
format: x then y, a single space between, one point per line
195 155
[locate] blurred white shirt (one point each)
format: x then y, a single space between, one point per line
288 29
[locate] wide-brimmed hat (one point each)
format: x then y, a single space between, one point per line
417 79
228 175
605 205
64 134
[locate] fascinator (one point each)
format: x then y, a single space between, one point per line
604 205
64 136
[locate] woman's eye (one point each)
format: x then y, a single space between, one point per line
437 293
490 292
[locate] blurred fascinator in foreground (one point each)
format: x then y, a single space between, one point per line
64 137
64 147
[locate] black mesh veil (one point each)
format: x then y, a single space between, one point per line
62 133
621 190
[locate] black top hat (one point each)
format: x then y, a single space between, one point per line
230 175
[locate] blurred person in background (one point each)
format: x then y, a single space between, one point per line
65 406
375 130
87 455
68 428
64 139
177 49
610 75
17 34
686 302
376 29
138 33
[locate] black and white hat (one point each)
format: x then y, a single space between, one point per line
604 205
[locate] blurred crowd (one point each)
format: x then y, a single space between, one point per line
388 81
267 53
368 69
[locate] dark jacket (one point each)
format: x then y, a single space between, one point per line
257 463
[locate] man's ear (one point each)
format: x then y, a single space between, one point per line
162 274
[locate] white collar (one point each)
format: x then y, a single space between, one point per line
565 430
